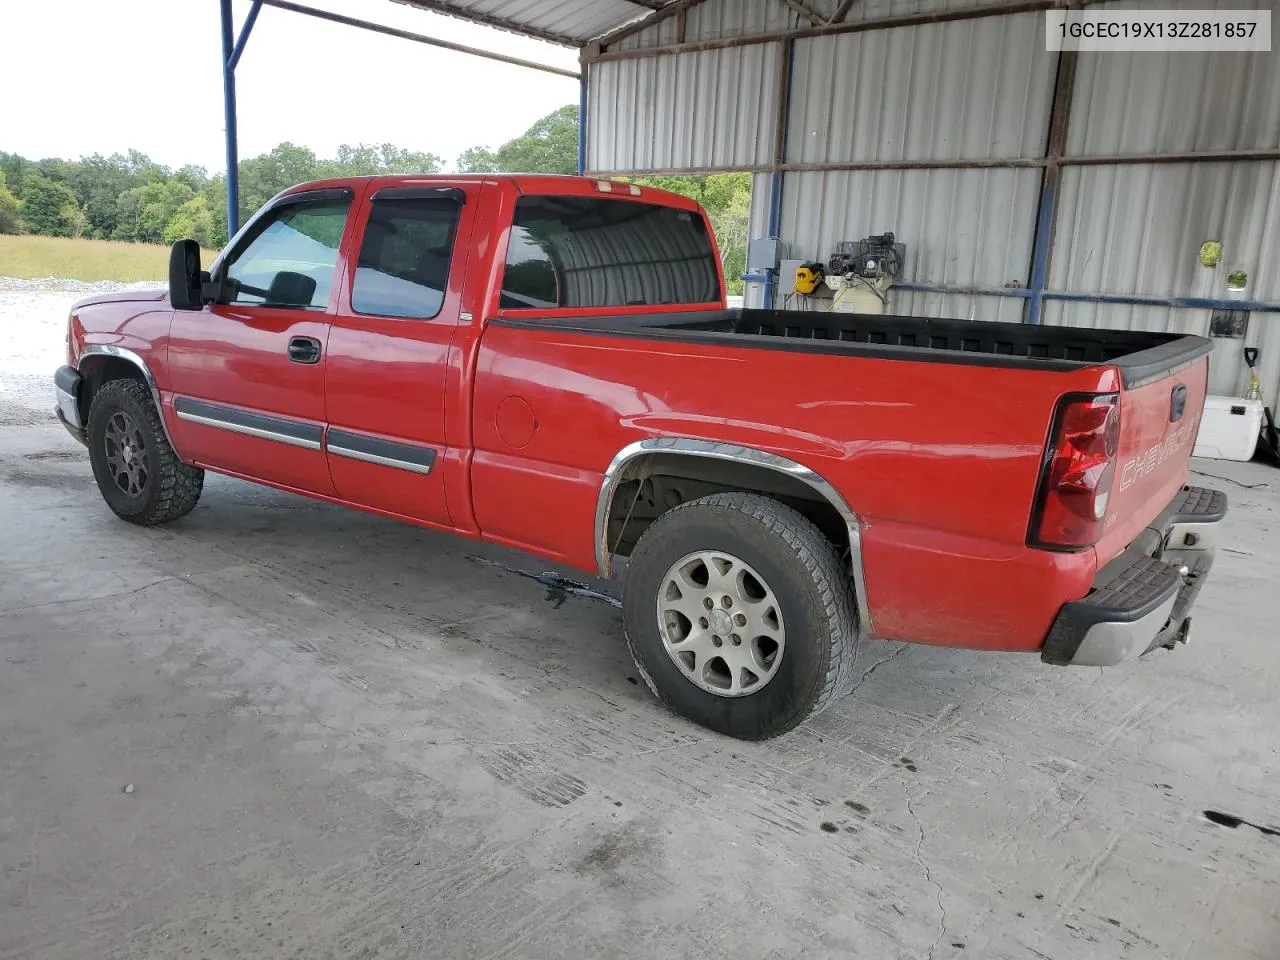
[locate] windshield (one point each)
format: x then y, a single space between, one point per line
589 252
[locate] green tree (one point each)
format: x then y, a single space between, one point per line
262 177
74 219
98 184
193 176
727 200
144 213
549 146
478 160
192 220
10 221
160 203
45 204
215 195
362 160
13 167
128 208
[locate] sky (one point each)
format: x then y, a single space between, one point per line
102 76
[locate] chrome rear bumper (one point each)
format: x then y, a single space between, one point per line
1143 598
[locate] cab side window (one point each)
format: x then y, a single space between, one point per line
403 270
603 252
290 257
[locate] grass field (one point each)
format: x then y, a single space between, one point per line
30 257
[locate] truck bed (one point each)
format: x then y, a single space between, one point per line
1141 356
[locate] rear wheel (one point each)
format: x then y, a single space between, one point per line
739 615
140 477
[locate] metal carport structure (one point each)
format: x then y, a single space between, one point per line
1055 197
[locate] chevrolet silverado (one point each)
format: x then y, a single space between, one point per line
548 363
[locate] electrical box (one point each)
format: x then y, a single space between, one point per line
787 276
763 253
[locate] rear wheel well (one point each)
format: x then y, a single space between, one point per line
653 483
98 369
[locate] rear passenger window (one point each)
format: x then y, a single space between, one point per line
403 268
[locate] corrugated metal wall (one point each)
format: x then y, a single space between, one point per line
1137 229
670 112
971 89
977 90
950 91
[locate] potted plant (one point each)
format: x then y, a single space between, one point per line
1238 285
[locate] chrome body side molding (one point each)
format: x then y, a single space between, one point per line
295 433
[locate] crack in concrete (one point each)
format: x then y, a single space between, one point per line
928 874
105 596
877 665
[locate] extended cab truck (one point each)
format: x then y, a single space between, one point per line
547 363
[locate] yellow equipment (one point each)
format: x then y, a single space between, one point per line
808 277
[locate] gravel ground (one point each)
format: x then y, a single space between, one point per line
33 318
32 332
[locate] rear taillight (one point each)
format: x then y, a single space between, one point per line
72 353
1075 480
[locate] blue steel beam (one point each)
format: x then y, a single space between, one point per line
782 118
1055 147
229 113
1176 303
1120 299
233 48
245 30
1043 243
972 291
582 120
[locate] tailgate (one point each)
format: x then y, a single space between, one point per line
1159 419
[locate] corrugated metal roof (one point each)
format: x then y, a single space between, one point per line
571 23
718 19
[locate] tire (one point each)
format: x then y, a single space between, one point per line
783 564
138 474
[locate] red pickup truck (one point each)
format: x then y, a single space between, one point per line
548 363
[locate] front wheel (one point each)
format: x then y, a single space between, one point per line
140 477
739 615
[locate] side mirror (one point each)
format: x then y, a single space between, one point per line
185 291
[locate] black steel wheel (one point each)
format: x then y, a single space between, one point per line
140 477
126 454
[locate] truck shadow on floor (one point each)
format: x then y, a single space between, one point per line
516 604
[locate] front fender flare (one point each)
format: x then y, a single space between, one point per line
128 356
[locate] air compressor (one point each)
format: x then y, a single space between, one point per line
860 273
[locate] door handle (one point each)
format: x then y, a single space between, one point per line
304 349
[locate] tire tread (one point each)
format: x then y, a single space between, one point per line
179 484
820 561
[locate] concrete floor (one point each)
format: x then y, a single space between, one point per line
349 738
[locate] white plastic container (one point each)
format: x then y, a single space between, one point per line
1229 428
